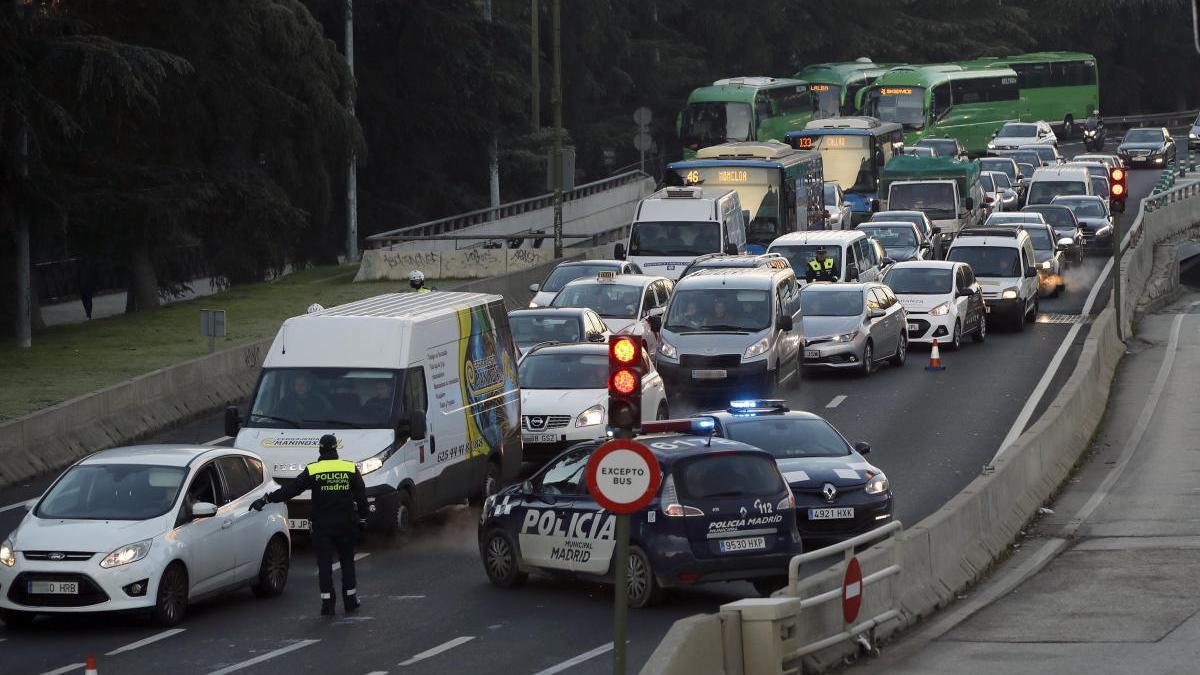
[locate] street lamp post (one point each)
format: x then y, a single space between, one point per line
558 154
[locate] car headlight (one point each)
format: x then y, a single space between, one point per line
593 415
8 557
668 350
127 554
375 462
758 348
991 146
845 337
1193 135
941 310
877 485
1009 293
1104 231
533 305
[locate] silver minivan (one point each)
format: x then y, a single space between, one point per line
732 332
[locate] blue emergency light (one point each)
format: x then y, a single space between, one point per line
758 405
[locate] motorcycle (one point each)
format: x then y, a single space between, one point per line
1094 135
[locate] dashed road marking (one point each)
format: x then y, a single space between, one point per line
574 661
837 400
264 657
357 557
444 647
18 505
65 669
142 643
217 441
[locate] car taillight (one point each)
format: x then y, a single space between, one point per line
788 502
681 511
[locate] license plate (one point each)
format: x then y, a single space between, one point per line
54 587
812 354
831 514
709 374
987 310
747 544
914 328
539 438
299 524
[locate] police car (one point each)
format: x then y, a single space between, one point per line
723 513
838 493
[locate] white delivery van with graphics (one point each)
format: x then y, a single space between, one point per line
675 225
419 388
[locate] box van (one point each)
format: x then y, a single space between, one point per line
853 252
419 388
675 225
732 331
1052 181
1004 264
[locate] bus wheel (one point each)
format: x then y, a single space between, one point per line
1068 126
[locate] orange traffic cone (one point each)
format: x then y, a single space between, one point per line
935 358
91 666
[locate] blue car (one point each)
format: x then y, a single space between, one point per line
723 513
838 493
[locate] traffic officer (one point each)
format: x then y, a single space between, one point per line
416 279
337 487
821 269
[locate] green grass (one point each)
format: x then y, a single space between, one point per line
68 361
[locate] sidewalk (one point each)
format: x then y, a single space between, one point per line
1119 593
111 304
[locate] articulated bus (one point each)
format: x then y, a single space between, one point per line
835 86
743 109
969 103
1055 86
853 152
781 188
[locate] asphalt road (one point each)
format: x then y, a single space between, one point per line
931 433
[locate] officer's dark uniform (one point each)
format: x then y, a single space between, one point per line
821 271
337 487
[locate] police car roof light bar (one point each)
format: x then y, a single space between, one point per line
694 425
758 405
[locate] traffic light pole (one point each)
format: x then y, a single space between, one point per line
1116 273
620 593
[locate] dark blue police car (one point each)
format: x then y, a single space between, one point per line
838 493
723 513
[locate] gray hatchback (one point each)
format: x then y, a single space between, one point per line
853 326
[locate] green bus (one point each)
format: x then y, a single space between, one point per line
835 86
1055 86
966 102
743 109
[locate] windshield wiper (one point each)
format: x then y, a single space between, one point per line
348 425
722 326
276 419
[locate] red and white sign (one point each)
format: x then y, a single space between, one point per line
623 476
852 590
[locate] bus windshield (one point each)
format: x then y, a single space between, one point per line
846 160
757 188
935 199
675 237
903 105
712 123
827 99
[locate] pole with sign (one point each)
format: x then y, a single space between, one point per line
642 141
622 476
212 326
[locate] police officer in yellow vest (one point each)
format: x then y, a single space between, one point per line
416 279
821 269
337 488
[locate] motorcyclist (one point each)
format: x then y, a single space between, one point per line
1094 133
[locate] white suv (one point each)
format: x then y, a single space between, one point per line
1004 263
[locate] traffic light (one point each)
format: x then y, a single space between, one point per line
625 372
1116 189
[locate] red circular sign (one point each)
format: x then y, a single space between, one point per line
623 476
852 591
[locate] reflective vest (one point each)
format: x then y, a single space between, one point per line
332 475
422 290
816 265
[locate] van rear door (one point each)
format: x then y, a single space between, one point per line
744 503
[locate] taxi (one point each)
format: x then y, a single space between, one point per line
629 304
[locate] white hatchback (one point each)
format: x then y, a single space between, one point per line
148 529
943 300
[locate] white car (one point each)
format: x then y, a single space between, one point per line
630 304
570 270
837 209
1014 135
564 396
995 193
146 528
943 301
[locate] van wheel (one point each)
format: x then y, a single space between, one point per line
172 597
955 338
1019 321
981 332
663 413
400 515
1037 308
273 570
491 480
500 560
901 352
641 587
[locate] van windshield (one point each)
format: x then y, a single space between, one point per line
799 256
719 309
988 261
1043 191
674 237
305 398
935 199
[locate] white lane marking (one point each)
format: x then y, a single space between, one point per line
407 597
378 672
837 400
574 661
264 657
18 505
444 647
142 643
357 557
217 441
65 669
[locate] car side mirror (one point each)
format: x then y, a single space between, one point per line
203 510
862 448
655 322
619 251
878 313
233 420
887 261
786 323
417 426
533 288
1031 271
1066 242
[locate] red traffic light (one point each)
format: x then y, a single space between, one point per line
1116 174
1118 190
624 350
624 382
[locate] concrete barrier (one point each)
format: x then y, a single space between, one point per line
952 547
472 263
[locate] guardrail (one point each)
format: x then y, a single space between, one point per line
454 223
1129 120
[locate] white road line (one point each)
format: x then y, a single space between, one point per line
444 647
264 657
572 662
217 441
142 643
18 505
837 400
357 557
65 669
378 672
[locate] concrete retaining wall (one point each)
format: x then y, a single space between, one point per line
473 263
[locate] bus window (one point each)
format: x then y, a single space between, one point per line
826 99
715 122
763 109
904 105
850 97
791 100
846 159
940 99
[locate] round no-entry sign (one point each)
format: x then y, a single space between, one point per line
623 476
852 590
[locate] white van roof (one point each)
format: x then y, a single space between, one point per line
839 237
1078 173
998 237
683 203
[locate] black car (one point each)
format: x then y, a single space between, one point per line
1095 222
1066 226
838 493
710 261
722 513
1147 147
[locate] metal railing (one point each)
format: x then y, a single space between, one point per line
1131 120
454 223
892 530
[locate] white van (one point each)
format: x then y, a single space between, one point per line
419 388
1052 181
856 256
675 225
1005 266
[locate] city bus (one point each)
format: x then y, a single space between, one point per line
835 86
946 101
743 109
853 151
1056 87
781 188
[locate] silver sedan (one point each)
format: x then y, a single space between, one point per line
852 326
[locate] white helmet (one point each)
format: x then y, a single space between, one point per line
314 308
416 276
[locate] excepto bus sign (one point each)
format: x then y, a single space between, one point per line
623 476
